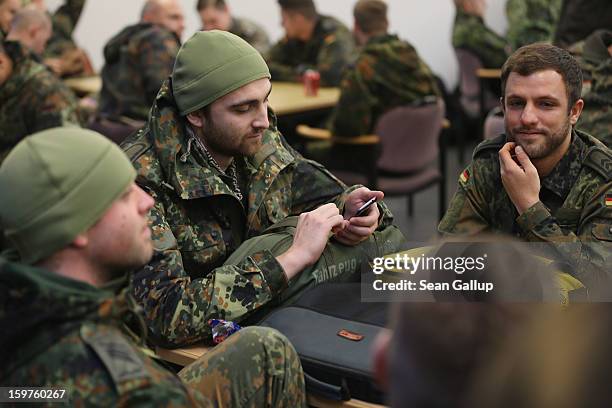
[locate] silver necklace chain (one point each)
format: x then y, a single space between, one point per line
231 170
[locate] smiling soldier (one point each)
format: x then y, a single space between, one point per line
557 188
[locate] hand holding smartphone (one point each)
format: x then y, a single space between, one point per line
364 208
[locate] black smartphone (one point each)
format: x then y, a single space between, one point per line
364 208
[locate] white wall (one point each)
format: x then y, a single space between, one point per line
426 24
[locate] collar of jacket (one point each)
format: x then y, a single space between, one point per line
41 307
15 51
461 14
382 39
24 68
595 48
187 170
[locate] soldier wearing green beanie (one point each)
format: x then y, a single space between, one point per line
221 173
79 223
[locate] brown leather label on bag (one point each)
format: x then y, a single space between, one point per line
350 335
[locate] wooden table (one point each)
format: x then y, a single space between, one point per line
84 85
286 97
187 355
486 73
289 98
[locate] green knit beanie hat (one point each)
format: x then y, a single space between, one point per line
56 184
212 64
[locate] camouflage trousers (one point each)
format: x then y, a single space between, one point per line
256 367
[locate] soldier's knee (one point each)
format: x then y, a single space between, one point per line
266 336
271 342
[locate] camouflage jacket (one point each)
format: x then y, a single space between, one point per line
64 21
328 51
596 117
251 32
198 221
137 61
32 99
574 212
470 33
65 334
531 21
387 73
579 18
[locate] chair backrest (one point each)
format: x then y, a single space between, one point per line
469 84
494 124
409 137
114 130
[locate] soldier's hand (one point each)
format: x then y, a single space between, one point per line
55 65
311 236
521 181
359 228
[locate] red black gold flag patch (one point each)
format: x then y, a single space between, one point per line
608 200
465 176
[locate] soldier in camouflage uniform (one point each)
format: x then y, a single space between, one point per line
63 326
387 73
531 21
32 29
64 21
215 15
62 54
470 33
31 98
139 59
579 18
8 9
312 41
221 173
596 117
559 191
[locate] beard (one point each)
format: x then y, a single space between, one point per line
538 149
228 143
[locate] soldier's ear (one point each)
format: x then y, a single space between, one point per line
80 241
196 119
576 111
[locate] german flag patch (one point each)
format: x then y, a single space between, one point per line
465 176
608 200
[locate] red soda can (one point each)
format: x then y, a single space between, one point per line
311 79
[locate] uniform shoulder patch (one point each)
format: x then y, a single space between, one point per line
608 200
495 143
600 160
134 150
116 353
464 176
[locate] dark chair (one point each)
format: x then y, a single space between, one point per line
409 141
494 124
470 86
115 129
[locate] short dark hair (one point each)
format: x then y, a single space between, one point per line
371 16
542 56
203 4
303 7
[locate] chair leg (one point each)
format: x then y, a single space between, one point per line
410 205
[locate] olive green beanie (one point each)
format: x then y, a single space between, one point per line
212 64
56 184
